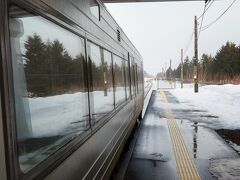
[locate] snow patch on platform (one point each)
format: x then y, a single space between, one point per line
226 169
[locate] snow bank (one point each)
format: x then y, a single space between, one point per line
218 100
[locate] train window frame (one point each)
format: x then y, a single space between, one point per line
104 118
108 51
129 73
96 15
51 162
136 75
125 99
117 107
133 76
127 80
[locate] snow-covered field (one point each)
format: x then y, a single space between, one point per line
222 101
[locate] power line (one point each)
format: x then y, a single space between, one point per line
210 24
210 4
204 11
202 15
189 43
206 7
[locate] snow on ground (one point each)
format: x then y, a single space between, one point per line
218 100
225 168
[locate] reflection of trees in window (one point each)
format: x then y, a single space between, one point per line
119 79
119 72
97 68
49 68
102 97
127 79
133 77
97 76
108 79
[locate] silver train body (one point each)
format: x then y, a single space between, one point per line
71 89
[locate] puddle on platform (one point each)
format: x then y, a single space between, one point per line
152 157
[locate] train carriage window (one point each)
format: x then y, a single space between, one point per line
127 77
50 98
133 77
141 76
136 77
101 79
95 9
119 79
139 79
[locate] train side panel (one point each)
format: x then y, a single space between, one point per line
94 158
94 155
2 147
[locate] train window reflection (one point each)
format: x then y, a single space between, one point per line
119 79
102 84
127 80
133 77
140 82
50 98
108 78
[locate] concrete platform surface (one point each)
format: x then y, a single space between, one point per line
171 146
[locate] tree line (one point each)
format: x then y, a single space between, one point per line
222 68
51 70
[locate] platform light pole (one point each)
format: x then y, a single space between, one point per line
195 55
181 68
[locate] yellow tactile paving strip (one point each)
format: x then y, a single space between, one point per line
185 165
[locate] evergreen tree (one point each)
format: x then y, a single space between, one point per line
36 65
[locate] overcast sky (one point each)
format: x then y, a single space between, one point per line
159 30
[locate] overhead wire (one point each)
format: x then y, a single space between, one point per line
188 44
206 7
219 17
210 4
204 11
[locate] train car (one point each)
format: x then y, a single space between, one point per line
71 89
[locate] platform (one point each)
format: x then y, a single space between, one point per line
171 145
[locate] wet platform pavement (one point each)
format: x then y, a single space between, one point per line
171 145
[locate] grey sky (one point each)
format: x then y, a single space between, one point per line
159 30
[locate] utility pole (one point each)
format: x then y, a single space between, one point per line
165 70
181 68
196 55
170 70
162 73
